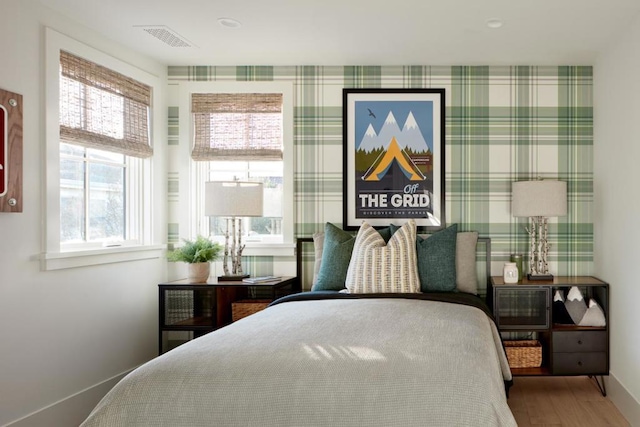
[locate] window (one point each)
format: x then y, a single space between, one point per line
92 195
240 136
104 126
99 153
242 131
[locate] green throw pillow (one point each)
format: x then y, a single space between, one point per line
437 260
336 254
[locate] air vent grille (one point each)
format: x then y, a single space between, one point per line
166 35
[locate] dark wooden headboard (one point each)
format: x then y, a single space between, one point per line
305 257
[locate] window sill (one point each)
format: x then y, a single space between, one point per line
269 249
84 258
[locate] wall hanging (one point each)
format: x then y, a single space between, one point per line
10 152
394 157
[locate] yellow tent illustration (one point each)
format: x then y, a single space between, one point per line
382 165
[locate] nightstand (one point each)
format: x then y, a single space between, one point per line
189 310
525 308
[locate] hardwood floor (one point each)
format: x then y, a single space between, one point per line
561 401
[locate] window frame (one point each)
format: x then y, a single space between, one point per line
56 255
194 219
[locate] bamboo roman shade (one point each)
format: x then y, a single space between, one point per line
101 108
237 126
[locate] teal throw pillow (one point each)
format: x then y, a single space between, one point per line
437 260
336 254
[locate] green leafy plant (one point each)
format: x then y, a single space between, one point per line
192 251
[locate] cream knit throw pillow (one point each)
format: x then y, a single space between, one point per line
376 267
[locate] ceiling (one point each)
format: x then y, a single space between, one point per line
361 32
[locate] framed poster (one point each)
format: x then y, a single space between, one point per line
393 157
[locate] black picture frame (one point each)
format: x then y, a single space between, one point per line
394 157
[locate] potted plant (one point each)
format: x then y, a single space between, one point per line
197 254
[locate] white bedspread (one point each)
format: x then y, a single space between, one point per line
361 362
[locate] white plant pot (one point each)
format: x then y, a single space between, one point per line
198 272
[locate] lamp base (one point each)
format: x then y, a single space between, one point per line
233 278
540 277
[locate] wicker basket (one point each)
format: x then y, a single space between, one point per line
244 308
524 353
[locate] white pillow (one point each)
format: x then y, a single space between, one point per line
594 316
576 307
376 267
466 267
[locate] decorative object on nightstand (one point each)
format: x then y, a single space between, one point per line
517 259
510 272
198 255
559 310
575 304
539 200
523 353
233 200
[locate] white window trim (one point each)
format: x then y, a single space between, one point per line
189 220
53 256
84 258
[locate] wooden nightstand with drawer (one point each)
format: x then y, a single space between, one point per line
525 310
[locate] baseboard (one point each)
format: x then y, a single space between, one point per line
70 411
624 401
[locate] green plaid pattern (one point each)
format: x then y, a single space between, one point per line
503 124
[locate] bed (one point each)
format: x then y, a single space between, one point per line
328 358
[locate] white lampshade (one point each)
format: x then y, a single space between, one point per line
233 198
539 198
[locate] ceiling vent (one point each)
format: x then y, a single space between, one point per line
166 35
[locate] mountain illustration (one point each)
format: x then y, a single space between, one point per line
369 141
412 136
389 130
394 155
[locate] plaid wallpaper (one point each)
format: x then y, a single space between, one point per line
503 124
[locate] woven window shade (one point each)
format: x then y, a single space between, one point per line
237 126
101 108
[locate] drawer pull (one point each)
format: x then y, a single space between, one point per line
579 341
579 363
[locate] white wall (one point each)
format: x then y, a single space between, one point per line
65 331
617 207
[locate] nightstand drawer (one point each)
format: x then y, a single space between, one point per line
592 363
579 341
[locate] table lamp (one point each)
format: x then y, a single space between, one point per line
539 200
233 200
